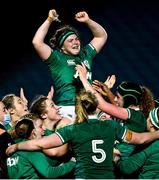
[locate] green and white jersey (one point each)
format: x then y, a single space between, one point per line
145 162
92 143
65 78
35 165
135 122
47 132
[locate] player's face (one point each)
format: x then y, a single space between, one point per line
71 45
3 111
52 110
119 100
20 108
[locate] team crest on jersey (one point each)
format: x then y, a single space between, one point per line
86 63
71 62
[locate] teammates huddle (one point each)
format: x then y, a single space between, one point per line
95 148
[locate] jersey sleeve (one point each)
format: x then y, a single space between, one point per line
91 52
120 131
54 59
65 133
136 161
136 120
42 165
133 163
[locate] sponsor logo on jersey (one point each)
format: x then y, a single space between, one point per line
12 161
86 63
71 62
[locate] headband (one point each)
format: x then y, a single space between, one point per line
63 37
130 92
154 117
157 103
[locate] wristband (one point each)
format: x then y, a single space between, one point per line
50 19
16 147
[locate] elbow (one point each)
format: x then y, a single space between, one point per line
34 42
106 36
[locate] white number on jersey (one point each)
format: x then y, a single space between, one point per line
95 149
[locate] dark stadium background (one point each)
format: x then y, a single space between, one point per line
131 52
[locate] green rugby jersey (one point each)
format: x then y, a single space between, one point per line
135 122
35 165
47 132
145 162
92 143
65 78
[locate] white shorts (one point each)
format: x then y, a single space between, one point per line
68 112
